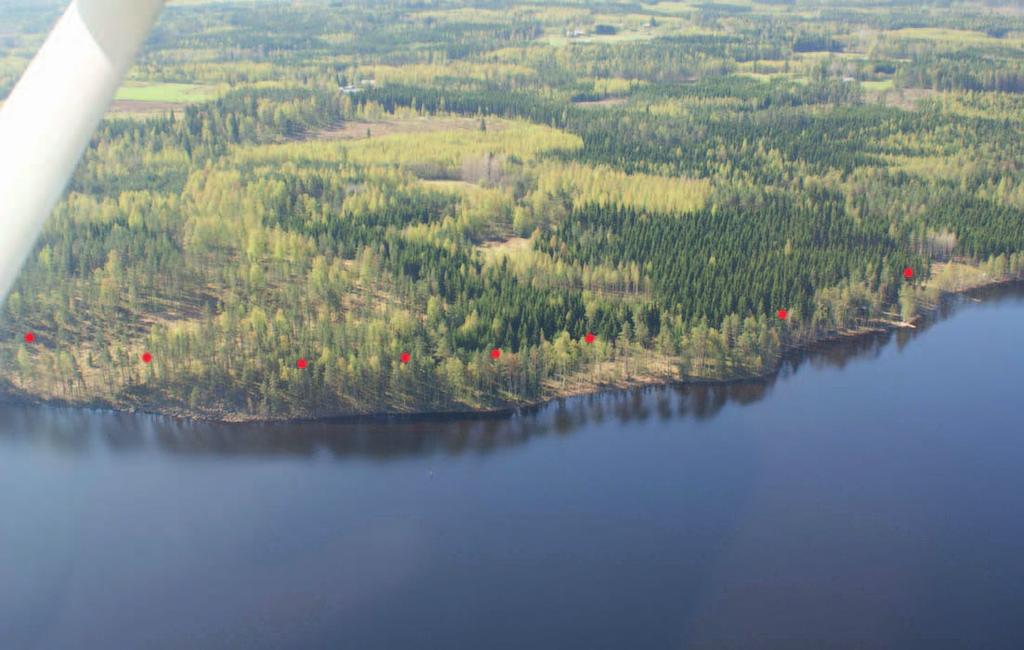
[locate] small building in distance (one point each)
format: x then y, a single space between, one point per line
351 89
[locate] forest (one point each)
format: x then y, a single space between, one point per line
316 209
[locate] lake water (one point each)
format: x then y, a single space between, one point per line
870 496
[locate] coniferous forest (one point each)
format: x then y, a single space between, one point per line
331 208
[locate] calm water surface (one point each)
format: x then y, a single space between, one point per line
871 496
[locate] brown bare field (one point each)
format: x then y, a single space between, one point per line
136 107
377 128
598 103
905 98
505 246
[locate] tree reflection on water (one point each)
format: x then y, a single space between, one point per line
75 431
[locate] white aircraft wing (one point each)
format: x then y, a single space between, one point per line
49 117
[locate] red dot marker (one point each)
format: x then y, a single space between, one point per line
908 272
783 314
301 364
147 357
496 353
589 338
405 358
30 337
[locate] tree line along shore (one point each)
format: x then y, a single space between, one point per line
367 181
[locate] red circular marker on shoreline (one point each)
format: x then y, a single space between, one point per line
590 337
782 314
405 358
496 353
301 364
908 272
146 357
30 337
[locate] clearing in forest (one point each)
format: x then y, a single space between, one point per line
357 130
142 98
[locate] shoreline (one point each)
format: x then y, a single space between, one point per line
876 328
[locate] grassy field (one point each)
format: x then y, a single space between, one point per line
164 92
459 187
884 84
764 77
621 37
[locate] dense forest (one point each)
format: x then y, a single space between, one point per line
315 209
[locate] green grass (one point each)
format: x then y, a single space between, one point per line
884 84
459 187
164 92
767 77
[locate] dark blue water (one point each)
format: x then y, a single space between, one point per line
871 496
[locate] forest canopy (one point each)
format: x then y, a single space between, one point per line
392 192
